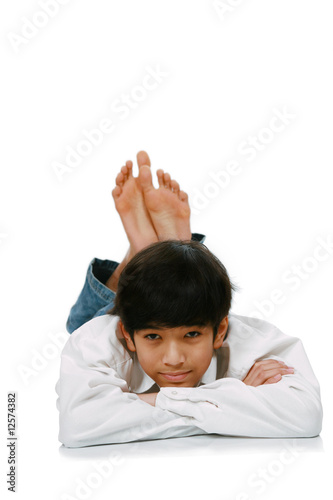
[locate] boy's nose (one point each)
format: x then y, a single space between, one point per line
173 356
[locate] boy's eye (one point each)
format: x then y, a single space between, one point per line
193 334
154 336
151 335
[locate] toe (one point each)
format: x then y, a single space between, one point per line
120 179
129 165
167 180
143 159
183 196
174 186
125 172
116 192
145 178
160 174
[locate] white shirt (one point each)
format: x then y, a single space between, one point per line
99 376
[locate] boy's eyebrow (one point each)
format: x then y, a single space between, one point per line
152 328
201 327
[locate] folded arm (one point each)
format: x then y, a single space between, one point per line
95 403
289 408
100 412
271 401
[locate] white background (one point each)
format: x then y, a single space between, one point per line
225 75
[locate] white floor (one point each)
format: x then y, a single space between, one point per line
203 467
196 467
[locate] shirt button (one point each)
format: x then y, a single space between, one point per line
174 392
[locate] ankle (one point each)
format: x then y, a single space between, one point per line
112 282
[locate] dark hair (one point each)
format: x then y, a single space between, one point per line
173 283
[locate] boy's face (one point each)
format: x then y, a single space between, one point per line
175 356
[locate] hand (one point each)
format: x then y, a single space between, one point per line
149 398
268 371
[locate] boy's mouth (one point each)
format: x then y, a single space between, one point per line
175 376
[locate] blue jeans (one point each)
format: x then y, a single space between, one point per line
96 298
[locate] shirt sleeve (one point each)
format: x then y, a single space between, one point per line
94 400
287 409
96 298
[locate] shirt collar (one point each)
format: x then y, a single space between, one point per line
210 373
140 381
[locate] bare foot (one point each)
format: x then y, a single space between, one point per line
168 206
130 204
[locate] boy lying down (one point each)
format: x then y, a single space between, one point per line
156 353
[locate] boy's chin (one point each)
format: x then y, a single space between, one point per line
176 384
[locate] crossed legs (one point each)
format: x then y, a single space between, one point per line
148 214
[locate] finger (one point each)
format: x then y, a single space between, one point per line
259 374
261 367
273 380
277 371
271 362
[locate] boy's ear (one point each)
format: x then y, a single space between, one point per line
127 337
221 333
